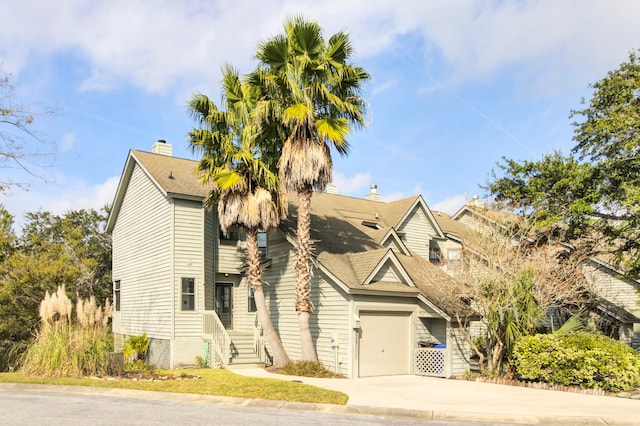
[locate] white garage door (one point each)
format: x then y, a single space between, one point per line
385 343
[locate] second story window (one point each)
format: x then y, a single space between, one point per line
231 237
262 244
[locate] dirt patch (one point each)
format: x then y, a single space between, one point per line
153 377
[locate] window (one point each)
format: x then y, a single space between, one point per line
435 256
454 259
188 294
231 237
116 295
262 244
251 300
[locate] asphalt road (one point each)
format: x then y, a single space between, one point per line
30 407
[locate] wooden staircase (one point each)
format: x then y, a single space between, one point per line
243 354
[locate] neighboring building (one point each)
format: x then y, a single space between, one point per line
377 295
617 300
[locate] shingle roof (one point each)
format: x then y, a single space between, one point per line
174 175
346 230
351 250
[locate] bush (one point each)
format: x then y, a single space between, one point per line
69 350
307 369
582 359
64 348
138 345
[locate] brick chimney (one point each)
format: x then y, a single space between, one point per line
162 147
373 195
331 188
477 202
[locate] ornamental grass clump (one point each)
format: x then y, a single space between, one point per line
70 348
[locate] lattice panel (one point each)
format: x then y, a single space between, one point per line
430 362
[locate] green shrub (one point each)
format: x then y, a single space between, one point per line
582 359
307 369
138 345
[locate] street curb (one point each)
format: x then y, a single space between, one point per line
426 414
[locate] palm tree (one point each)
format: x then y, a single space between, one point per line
244 187
311 89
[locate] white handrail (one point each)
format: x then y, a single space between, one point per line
214 330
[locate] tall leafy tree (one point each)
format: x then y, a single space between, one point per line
310 87
70 250
594 193
243 186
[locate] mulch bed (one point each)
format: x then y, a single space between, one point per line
632 394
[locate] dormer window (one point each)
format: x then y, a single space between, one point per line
435 255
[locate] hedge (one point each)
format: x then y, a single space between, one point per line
581 359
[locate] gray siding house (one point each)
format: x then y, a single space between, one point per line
616 301
380 304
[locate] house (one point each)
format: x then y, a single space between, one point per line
378 299
616 299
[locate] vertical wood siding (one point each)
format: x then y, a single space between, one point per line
142 259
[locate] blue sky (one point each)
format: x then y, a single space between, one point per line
456 84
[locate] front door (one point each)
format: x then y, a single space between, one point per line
224 304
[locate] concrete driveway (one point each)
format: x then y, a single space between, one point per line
442 399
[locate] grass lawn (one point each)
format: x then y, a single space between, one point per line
212 382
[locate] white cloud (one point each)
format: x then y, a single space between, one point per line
356 185
75 196
163 44
450 205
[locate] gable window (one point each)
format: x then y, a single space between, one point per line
262 244
251 300
116 295
188 294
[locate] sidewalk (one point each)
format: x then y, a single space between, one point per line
448 399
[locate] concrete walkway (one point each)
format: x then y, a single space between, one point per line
448 399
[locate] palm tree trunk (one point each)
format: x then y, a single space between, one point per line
304 307
280 357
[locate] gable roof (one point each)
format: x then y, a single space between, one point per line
174 177
350 248
399 211
348 232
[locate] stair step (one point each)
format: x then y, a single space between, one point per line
245 365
